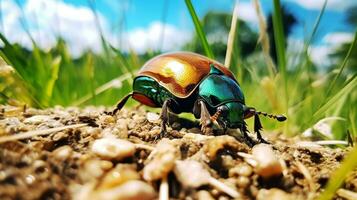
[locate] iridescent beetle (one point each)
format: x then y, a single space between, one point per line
189 82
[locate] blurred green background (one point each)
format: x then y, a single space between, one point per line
274 76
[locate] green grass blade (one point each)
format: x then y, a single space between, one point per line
279 36
348 164
346 90
280 50
53 78
199 30
342 66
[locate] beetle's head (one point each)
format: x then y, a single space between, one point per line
226 100
230 114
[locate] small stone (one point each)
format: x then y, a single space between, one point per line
119 175
163 161
243 181
63 152
30 179
112 148
93 169
273 194
37 119
217 143
131 190
241 170
106 119
176 126
152 117
191 173
204 195
268 163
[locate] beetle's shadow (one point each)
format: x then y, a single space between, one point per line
194 123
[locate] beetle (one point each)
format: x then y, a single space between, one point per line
189 82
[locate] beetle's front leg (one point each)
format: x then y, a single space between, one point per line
248 140
120 104
200 110
168 103
257 127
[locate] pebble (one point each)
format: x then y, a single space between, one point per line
62 153
241 170
217 143
93 169
37 119
106 119
163 161
242 181
204 195
152 117
191 173
273 194
113 149
268 163
119 175
131 190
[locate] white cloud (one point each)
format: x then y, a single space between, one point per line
46 19
152 37
337 38
331 4
319 53
246 12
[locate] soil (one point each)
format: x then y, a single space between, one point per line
64 165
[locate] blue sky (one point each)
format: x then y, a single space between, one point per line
141 22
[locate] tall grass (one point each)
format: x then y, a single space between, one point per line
199 29
54 77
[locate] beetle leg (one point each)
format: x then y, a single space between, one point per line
167 105
205 118
164 118
120 105
257 127
248 140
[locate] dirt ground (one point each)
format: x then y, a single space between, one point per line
120 157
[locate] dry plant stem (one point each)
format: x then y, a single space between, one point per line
248 158
347 194
115 83
283 165
30 134
306 173
332 142
164 189
221 186
263 38
144 146
232 32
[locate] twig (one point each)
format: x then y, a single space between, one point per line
347 194
248 158
332 142
164 189
144 146
30 134
306 174
221 186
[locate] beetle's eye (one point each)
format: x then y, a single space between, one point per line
214 100
224 110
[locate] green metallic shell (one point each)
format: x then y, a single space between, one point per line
218 89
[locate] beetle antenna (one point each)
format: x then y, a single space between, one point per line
280 118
